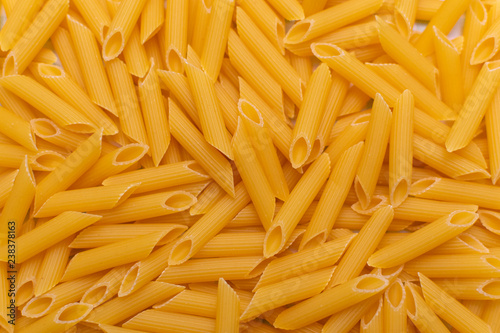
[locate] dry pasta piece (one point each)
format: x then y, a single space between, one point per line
289 9
176 322
448 308
339 298
59 321
427 238
121 28
228 309
35 36
377 137
310 115
419 312
294 208
96 16
106 288
405 12
152 19
470 289
176 30
330 19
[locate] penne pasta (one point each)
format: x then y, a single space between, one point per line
96 16
148 206
121 308
175 322
6 184
206 155
129 111
344 295
152 19
289 9
15 104
106 288
363 246
32 40
176 31
155 115
63 45
294 208
470 289
121 28
405 12
394 309
17 129
330 204
191 302
474 109
253 175
459 266
269 57
330 19
94 75
310 115
419 312
377 138
228 309
373 319
448 308
444 19
459 191
111 255
427 238
404 53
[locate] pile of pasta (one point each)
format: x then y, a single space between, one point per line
249 166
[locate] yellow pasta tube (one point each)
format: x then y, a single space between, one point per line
260 137
470 289
482 92
212 122
176 30
294 208
289 9
270 58
212 193
310 115
6 184
70 170
52 267
201 20
95 15
121 28
49 233
288 291
111 255
17 129
401 149
492 120
211 269
17 204
451 310
152 19
17 105
87 199
11 156
333 197
351 135
209 225
355 71
155 115
311 7
373 319
455 266
253 176
475 25
19 19
458 191
36 35
159 320
363 246
28 270
252 71
405 12
450 74
135 55
106 288
121 308
424 99
48 103
451 164
428 210
101 235
490 314
419 312
394 310
69 91
209 158
377 138
60 320
94 75
228 309
233 245
330 19
305 261
267 20
148 206
332 300
423 240
191 302
401 50
164 176
129 112
488 46
110 164
61 40
444 19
